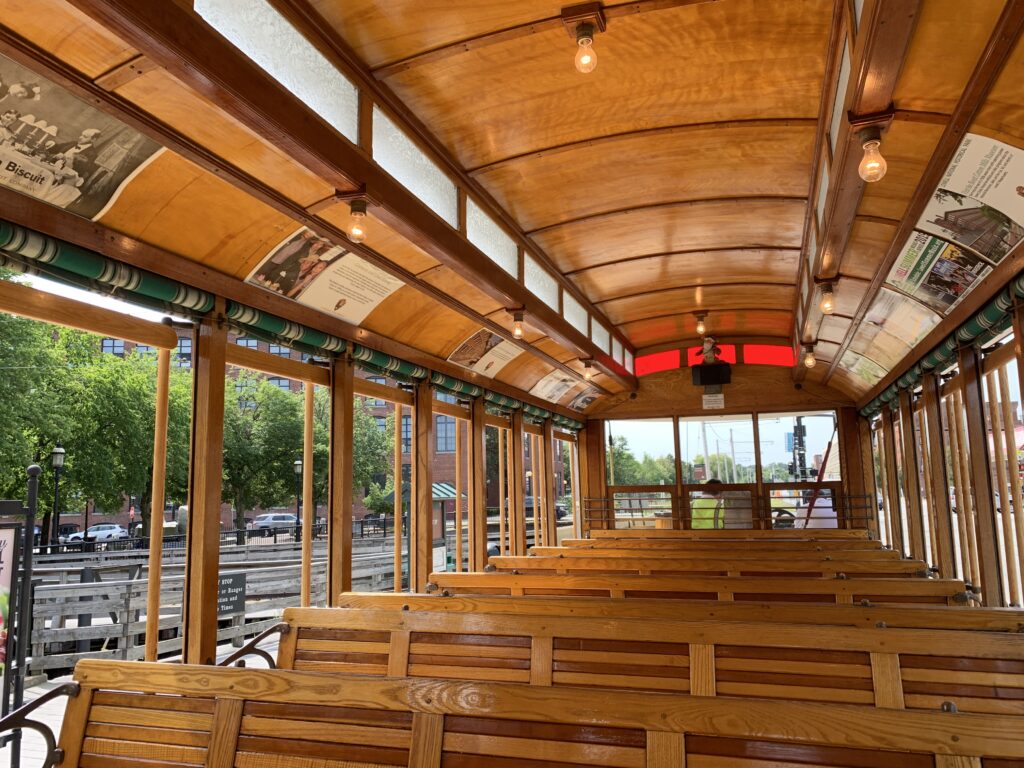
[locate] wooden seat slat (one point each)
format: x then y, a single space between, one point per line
816 534
271 718
711 566
919 616
783 589
760 552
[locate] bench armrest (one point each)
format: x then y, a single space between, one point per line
251 649
19 720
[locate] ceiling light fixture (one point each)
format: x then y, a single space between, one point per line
586 56
701 327
809 359
872 166
517 324
356 229
828 301
588 370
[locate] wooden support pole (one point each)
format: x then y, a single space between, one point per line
892 481
202 564
397 508
980 478
547 472
851 460
308 505
1016 492
502 500
999 458
156 510
421 514
868 464
339 527
517 497
534 495
911 474
478 487
931 386
459 467
965 499
577 506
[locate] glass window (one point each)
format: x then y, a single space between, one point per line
280 351
247 342
281 383
183 353
406 434
643 452
487 235
840 95
616 349
266 37
574 313
445 431
144 349
399 156
799 447
822 197
382 422
600 335
112 347
373 402
628 361
719 447
444 397
539 282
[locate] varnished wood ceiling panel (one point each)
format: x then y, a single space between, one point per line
933 76
177 206
680 327
682 269
767 57
907 148
413 318
834 328
159 94
1002 114
55 26
384 240
869 242
467 293
669 229
715 297
524 372
546 189
381 33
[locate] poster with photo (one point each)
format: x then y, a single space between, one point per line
970 223
553 386
882 347
56 148
935 272
862 368
485 353
901 317
8 567
583 399
350 288
990 172
295 262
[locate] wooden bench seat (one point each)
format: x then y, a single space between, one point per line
711 534
708 566
160 715
784 589
895 668
850 548
915 616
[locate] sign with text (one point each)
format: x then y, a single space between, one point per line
714 402
8 567
230 593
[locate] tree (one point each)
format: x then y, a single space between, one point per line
371 447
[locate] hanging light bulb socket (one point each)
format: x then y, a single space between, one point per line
588 370
356 227
582 22
701 325
809 359
872 166
828 301
517 325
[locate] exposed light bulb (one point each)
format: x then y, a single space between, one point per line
586 56
517 325
588 370
356 229
809 359
872 166
828 302
701 328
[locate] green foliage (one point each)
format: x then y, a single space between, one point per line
380 500
628 470
371 446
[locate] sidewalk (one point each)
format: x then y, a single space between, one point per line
33 748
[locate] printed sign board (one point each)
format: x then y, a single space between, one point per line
231 593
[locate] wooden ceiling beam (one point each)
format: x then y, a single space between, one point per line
178 40
695 286
1001 43
885 29
690 252
56 222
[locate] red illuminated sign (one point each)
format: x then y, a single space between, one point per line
768 354
659 361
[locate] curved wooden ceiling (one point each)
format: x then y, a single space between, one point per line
683 174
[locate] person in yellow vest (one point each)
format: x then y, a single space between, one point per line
706 510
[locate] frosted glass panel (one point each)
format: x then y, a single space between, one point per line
840 99
629 361
539 282
822 196
486 235
400 157
617 349
600 335
812 248
266 37
574 313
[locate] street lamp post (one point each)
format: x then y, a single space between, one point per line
297 466
57 460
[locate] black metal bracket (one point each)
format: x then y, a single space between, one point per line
19 720
251 648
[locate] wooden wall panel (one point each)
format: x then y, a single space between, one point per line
662 330
869 241
716 297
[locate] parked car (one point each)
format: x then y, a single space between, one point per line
66 530
99 532
274 520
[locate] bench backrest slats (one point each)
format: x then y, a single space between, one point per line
287 718
764 552
817 534
731 545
